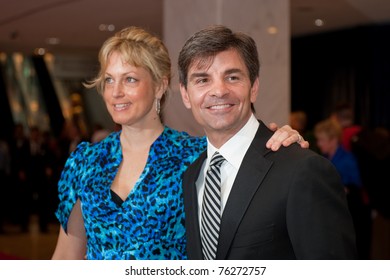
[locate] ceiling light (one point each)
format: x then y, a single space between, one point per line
40 51
111 27
53 41
106 27
319 22
272 30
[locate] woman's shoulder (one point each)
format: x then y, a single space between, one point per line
180 144
183 137
90 151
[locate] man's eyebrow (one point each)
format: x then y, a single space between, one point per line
198 75
204 74
234 70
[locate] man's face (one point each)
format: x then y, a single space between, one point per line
220 94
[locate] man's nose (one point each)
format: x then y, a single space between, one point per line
220 88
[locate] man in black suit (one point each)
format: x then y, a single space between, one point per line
288 204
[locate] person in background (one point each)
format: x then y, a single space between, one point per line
121 198
5 172
372 150
343 114
298 121
329 136
53 164
288 204
353 139
20 155
37 178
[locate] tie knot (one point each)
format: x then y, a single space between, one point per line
217 159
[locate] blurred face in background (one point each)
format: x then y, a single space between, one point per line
327 144
328 136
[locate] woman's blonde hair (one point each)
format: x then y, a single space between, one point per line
138 48
330 128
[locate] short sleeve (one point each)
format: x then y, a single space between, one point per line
69 184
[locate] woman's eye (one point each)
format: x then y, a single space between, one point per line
108 80
130 80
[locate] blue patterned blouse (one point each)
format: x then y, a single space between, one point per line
149 224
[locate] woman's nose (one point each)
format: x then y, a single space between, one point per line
117 90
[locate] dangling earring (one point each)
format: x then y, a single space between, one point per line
158 106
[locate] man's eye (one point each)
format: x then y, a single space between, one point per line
201 81
233 78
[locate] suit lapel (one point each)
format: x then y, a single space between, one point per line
194 244
253 169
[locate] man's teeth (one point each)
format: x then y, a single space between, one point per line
219 106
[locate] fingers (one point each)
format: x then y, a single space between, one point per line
301 141
296 138
285 136
273 126
280 137
304 144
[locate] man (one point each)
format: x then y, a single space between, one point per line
288 204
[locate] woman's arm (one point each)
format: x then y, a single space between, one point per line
285 136
72 245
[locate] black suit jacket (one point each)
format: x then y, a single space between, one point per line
288 204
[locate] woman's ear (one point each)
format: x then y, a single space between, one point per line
162 88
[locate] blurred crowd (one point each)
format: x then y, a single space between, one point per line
362 157
30 165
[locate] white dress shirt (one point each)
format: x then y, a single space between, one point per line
233 151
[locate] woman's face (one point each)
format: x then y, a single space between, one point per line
129 93
326 144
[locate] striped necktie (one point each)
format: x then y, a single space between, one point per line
211 208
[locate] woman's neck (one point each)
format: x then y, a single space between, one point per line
138 137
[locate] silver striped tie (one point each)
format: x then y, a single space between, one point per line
211 208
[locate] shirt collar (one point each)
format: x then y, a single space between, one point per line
235 148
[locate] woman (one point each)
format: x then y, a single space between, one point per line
121 198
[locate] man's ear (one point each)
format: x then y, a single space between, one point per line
185 97
255 90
